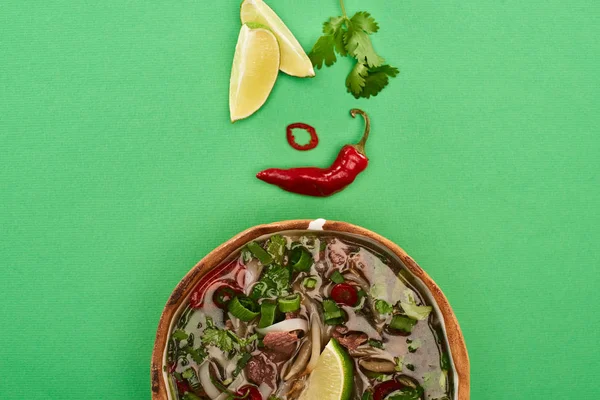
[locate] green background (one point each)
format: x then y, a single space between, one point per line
119 170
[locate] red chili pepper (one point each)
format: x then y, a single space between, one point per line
381 390
345 293
314 139
321 182
248 392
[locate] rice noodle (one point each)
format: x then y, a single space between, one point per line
285 326
315 332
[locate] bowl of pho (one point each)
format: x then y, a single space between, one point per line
308 310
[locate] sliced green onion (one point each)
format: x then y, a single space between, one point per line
243 308
402 323
331 312
309 283
375 343
300 259
260 253
289 303
337 277
267 314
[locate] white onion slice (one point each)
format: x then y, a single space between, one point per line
265 390
285 326
204 375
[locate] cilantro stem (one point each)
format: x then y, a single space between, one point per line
343 9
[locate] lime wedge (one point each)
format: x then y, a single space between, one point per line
332 377
294 60
254 71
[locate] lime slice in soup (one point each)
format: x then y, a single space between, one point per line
332 377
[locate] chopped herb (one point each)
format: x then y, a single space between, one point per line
260 253
274 282
337 277
402 323
383 307
399 362
375 343
246 256
445 361
414 345
224 339
179 335
276 248
198 355
188 373
410 367
241 364
411 308
407 393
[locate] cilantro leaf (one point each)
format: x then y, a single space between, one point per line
374 80
365 21
350 37
218 338
383 307
323 52
358 44
335 27
355 82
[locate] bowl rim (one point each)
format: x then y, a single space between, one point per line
453 332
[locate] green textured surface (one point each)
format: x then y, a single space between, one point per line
119 170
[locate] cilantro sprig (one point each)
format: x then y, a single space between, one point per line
351 37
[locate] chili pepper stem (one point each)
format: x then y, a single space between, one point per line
360 146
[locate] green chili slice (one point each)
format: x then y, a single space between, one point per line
267 314
260 253
289 303
300 259
402 323
243 308
337 277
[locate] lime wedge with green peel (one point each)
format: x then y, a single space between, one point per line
332 377
254 71
294 60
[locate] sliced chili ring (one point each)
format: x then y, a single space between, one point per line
226 293
314 139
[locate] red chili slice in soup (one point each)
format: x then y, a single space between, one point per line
225 293
381 391
248 392
345 293
196 300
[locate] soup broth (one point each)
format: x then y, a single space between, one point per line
258 327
